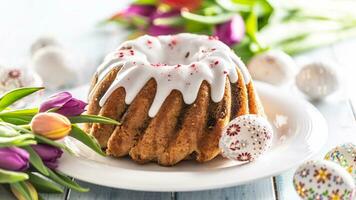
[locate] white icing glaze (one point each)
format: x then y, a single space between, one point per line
178 62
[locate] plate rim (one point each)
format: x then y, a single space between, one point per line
315 116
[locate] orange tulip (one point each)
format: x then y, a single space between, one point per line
51 125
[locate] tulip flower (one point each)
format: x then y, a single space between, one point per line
156 29
32 191
179 4
51 125
135 10
64 104
14 159
231 32
162 30
49 154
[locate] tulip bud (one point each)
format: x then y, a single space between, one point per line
30 188
49 154
64 104
231 32
51 125
14 159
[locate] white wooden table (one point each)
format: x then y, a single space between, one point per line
24 20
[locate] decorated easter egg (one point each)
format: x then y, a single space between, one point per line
245 138
42 42
323 180
274 67
317 80
344 155
16 77
52 63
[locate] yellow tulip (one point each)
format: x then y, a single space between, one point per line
51 125
30 188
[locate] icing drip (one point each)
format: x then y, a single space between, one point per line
179 62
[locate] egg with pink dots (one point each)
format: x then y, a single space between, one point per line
246 138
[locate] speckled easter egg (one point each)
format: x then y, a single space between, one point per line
274 67
344 155
317 80
323 179
246 137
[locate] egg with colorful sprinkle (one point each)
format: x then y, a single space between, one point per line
246 137
323 179
344 155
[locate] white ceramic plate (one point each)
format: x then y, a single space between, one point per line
300 131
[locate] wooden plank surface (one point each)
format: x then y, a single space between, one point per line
100 193
262 189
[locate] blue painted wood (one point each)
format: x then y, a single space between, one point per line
262 189
5 194
100 193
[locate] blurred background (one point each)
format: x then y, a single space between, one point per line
81 32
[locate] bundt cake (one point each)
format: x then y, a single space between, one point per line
173 96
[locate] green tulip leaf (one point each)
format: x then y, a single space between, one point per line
14 95
236 6
18 117
65 181
16 140
11 176
7 131
36 160
86 139
217 19
92 119
44 184
145 2
22 188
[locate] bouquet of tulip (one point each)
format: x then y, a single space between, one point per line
249 27
30 146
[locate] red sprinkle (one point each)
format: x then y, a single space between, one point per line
212 37
225 72
216 62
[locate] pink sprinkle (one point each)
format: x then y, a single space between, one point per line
213 49
193 65
212 37
216 62
225 72
149 42
134 63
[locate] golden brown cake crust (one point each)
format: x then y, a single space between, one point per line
178 131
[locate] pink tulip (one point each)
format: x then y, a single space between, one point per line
51 125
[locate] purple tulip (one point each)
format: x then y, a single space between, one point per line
135 10
160 14
49 154
64 104
162 30
231 32
156 30
14 159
